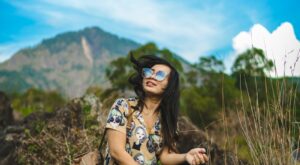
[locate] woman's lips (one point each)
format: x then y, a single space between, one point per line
150 84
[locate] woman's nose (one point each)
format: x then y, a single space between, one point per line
153 75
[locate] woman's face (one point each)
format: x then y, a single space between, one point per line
151 85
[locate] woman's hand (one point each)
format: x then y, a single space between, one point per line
196 156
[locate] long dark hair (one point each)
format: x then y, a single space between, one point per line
169 105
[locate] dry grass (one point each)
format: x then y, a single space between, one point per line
269 128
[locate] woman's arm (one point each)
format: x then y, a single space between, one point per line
116 142
194 156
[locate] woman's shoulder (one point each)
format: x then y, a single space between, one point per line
132 100
125 103
129 100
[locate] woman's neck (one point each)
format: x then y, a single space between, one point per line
151 104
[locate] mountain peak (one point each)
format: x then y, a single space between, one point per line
69 62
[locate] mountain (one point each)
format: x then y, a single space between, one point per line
69 62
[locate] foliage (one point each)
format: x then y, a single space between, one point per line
95 90
201 109
208 90
253 62
74 129
268 127
210 64
250 70
265 107
34 100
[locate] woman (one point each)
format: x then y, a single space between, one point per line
142 130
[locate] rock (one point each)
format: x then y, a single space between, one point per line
6 112
191 136
7 152
8 139
56 137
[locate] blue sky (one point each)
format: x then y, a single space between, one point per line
191 28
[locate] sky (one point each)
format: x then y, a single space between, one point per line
190 28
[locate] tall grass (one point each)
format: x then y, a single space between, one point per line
269 127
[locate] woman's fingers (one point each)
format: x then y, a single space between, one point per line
202 150
197 159
201 158
205 157
194 162
197 156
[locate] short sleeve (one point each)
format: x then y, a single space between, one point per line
117 116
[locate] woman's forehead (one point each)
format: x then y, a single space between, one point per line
161 67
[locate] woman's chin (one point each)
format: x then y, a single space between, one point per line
153 94
151 91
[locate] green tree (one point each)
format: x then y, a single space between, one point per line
209 88
96 90
250 70
35 100
118 73
215 83
252 62
210 64
201 109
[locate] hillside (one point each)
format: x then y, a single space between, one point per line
69 62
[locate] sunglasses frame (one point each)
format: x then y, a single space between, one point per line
156 74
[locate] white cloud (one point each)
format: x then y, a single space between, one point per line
6 50
189 31
281 46
186 31
3 57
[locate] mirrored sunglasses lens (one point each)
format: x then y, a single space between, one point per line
147 72
160 75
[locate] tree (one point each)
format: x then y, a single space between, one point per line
210 64
118 73
200 108
36 100
214 82
203 70
250 70
209 88
252 63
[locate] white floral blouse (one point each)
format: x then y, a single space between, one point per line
144 146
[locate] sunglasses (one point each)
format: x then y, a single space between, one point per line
159 75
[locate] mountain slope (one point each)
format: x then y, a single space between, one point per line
69 62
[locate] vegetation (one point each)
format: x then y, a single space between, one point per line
34 100
253 113
246 112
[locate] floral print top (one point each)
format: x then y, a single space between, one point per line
144 146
